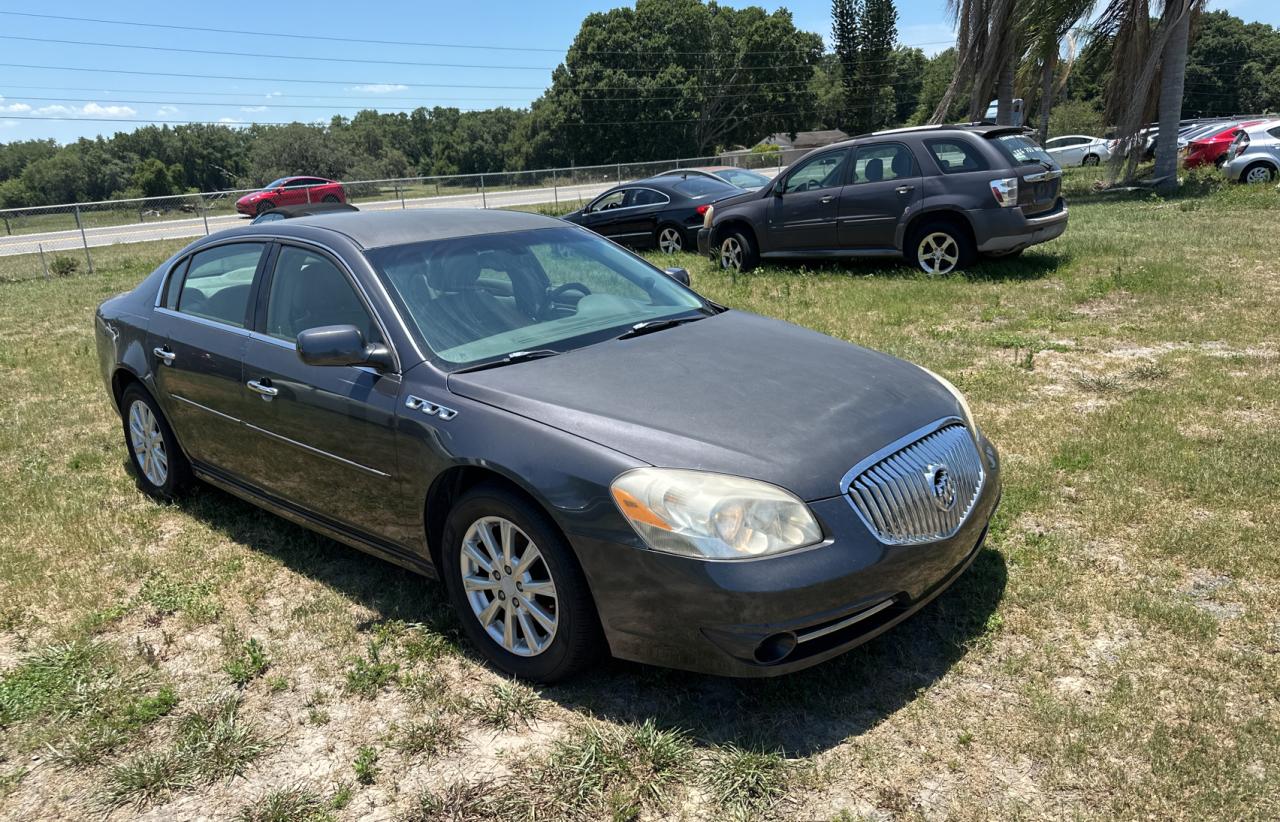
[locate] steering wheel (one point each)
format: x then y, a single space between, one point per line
561 289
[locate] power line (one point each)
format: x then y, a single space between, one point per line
418 44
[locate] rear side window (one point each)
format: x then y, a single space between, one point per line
309 291
218 282
646 196
702 187
955 156
1020 150
1274 132
887 161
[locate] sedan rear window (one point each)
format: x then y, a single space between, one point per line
703 187
1022 150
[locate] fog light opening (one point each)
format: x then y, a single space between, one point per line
775 648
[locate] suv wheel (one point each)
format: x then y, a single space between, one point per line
159 464
940 248
517 588
737 253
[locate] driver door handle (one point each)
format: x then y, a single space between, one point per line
830 198
263 388
905 189
164 355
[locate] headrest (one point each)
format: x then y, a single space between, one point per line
901 164
455 270
874 171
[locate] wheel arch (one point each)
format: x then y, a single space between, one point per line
735 223
1262 160
943 214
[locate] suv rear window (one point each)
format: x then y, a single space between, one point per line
1021 150
956 156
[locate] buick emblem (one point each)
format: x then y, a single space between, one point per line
942 486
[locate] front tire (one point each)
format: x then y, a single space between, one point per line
1091 160
940 248
1258 173
737 252
264 207
331 198
669 239
159 465
517 587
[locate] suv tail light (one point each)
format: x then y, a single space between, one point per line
1005 191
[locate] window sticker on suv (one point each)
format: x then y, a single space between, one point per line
1022 150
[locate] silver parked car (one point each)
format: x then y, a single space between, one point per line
1078 150
1254 157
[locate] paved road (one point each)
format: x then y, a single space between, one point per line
195 227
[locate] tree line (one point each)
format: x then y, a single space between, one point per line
684 78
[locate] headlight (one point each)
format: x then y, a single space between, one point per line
712 516
963 403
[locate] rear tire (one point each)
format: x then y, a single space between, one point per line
669 239
331 198
1258 173
265 206
521 643
737 252
159 466
1091 160
939 248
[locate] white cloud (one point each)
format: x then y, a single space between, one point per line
15 108
380 88
271 94
227 120
165 111
253 108
58 110
98 110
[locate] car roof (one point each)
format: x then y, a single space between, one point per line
1265 125
377 229
980 129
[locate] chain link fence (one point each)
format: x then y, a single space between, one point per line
59 240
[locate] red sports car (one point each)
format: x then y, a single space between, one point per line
291 191
1212 148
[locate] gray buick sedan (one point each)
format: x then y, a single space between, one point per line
592 457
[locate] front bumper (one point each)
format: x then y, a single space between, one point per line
715 617
247 208
704 242
1000 230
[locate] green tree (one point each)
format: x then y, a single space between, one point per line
865 33
152 178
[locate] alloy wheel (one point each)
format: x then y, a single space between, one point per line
1258 174
148 444
509 587
1092 160
670 241
731 254
938 253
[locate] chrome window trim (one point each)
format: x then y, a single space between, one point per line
628 208
235 329
893 448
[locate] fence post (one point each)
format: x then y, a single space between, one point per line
43 264
204 212
7 230
84 240
484 203
555 189
400 191
619 173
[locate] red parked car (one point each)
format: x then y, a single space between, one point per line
1212 148
291 191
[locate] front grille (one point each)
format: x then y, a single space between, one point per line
898 495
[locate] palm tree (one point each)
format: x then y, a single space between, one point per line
1048 23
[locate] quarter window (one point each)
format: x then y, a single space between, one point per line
1274 132
823 171
954 156
309 291
887 161
218 282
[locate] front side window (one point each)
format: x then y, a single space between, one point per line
887 161
218 282
611 200
308 291
478 298
823 171
956 156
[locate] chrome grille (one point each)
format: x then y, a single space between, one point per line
895 493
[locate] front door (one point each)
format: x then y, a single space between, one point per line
198 337
323 437
803 215
885 183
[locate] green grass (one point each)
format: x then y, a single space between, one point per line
1112 654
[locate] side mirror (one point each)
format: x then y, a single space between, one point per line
680 275
341 345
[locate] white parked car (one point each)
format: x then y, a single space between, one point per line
1254 156
1078 150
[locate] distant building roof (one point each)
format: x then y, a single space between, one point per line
805 139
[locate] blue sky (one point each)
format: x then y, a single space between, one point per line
276 93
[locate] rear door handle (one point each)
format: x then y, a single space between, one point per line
905 189
830 198
164 355
262 388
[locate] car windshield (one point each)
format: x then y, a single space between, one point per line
1022 150
484 297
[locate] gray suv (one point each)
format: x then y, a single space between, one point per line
937 195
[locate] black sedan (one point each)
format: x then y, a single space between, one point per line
661 212
592 457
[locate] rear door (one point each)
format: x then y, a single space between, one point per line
198 337
296 192
803 211
321 437
884 185
636 223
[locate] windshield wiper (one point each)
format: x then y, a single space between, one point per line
513 357
649 326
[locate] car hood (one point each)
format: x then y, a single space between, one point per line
734 393
735 199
